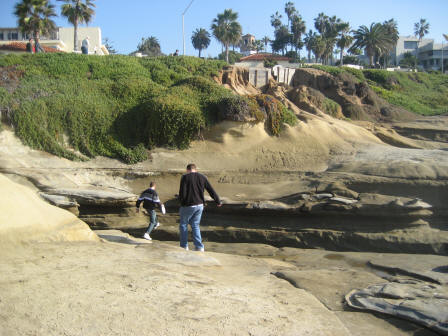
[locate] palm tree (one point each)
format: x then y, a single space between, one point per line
77 12
226 29
200 39
321 23
290 11
344 41
298 28
391 27
266 40
34 17
276 20
319 47
309 40
282 39
421 28
149 46
374 40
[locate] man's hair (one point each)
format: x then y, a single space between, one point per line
152 184
191 166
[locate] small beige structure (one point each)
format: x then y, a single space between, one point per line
60 39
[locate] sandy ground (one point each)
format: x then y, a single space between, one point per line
151 289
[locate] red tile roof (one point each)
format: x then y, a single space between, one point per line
263 56
21 47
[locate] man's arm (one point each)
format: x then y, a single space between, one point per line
182 195
212 192
137 204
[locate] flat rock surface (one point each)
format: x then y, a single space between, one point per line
151 289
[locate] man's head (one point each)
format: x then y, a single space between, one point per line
31 39
152 185
191 167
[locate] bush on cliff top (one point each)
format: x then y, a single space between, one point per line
115 106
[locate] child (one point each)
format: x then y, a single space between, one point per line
150 200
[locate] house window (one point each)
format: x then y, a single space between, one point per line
437 61
430 53
2 37
13 36
410 44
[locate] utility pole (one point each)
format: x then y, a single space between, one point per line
442 59
183 24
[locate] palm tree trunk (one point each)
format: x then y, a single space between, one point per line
342 57
200 53
371 60
309 56
75 35
416 54
227 53
36 39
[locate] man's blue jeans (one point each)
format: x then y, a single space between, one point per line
191 215
152 221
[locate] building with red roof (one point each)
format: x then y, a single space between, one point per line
20 47
257 60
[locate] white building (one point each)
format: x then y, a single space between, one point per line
62 39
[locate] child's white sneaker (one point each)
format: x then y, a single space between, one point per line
157 225
147 237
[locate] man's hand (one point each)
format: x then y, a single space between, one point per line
219 205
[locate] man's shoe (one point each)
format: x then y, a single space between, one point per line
185 248
147 237
199 249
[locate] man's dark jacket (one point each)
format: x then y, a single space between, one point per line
192 187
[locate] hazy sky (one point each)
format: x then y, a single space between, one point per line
126 22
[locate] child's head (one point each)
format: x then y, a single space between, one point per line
152 185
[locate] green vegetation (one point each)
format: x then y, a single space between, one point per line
421 93
275 113
335 71
115 106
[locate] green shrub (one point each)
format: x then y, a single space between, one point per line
276 113
336 71
331 107
117 106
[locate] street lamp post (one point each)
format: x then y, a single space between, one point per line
183 24
442 58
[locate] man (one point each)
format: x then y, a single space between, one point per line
85 46
37 47
29 46
150 201
191 197
176 53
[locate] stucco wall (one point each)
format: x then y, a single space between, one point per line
94 34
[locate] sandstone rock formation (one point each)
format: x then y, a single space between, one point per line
26 218
357 100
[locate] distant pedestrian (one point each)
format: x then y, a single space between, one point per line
150 200
176 53
29 46
37 47
191 197
85 46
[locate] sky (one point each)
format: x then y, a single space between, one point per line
126 22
